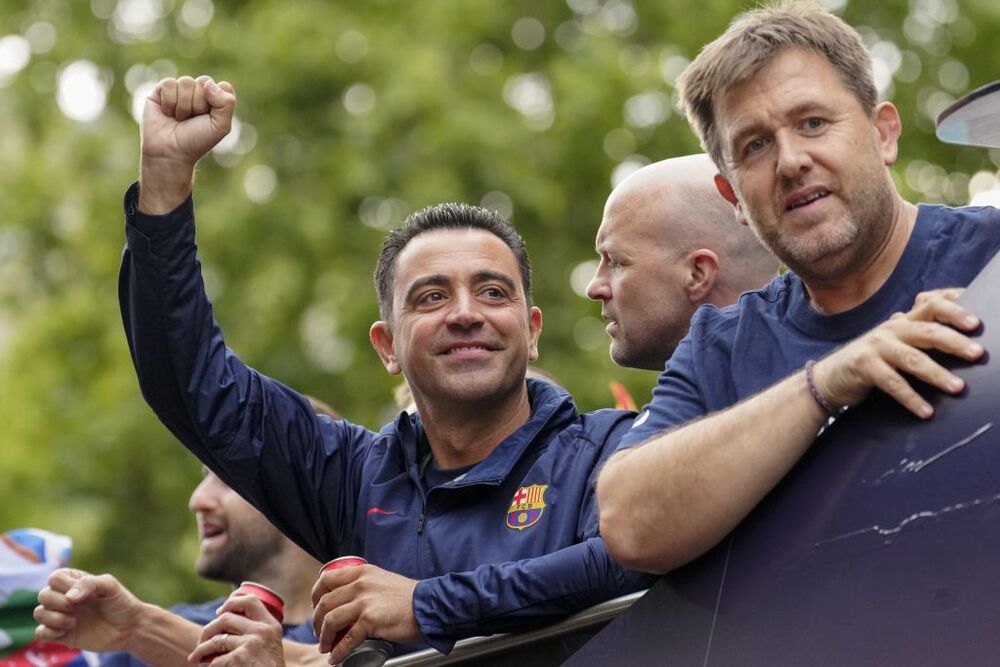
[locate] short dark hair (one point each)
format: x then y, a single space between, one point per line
445 216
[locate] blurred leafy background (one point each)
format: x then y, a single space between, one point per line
351 114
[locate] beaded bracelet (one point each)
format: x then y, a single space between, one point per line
818 397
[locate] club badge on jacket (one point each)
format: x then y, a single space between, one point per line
527 506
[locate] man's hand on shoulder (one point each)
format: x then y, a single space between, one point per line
901 345
183 119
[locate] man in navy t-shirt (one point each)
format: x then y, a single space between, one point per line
785 104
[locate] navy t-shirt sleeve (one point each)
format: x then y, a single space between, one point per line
697 379
676 398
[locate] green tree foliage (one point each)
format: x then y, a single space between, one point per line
352 114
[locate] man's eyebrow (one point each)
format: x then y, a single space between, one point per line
487 276
605 247
436 279
807 108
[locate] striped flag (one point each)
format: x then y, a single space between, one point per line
27 557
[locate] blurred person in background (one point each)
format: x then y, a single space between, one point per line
236 544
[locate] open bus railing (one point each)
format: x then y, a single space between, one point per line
480 647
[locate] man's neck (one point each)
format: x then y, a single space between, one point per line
292 575
466 435
854 286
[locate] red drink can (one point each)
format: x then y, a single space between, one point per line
272 601
336 564
343 561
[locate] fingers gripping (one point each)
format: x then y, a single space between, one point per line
343 630
233 630
948 294
898 347
940 306
53 621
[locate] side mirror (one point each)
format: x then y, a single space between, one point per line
973 120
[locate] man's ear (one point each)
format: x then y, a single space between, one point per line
885 118
381 337
535 330
702 269
726 190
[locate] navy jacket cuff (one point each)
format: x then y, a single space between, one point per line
432 627
155 225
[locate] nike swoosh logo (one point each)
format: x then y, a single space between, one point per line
378 510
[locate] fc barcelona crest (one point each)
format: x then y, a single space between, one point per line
527 507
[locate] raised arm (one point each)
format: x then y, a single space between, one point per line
672 498
261 438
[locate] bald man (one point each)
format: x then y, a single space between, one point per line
669 243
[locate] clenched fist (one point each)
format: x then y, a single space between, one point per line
182 120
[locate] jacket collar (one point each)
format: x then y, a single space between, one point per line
551 409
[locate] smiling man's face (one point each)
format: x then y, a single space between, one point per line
461 331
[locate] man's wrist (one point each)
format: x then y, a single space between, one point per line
833 411
161 637
164 184
145 619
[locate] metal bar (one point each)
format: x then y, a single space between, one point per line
477 647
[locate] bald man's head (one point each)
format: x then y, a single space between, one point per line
668 243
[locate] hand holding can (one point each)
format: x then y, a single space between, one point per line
370 652
336 564
271 601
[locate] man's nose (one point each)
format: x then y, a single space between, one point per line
203 498
793 155
598 288
464 310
